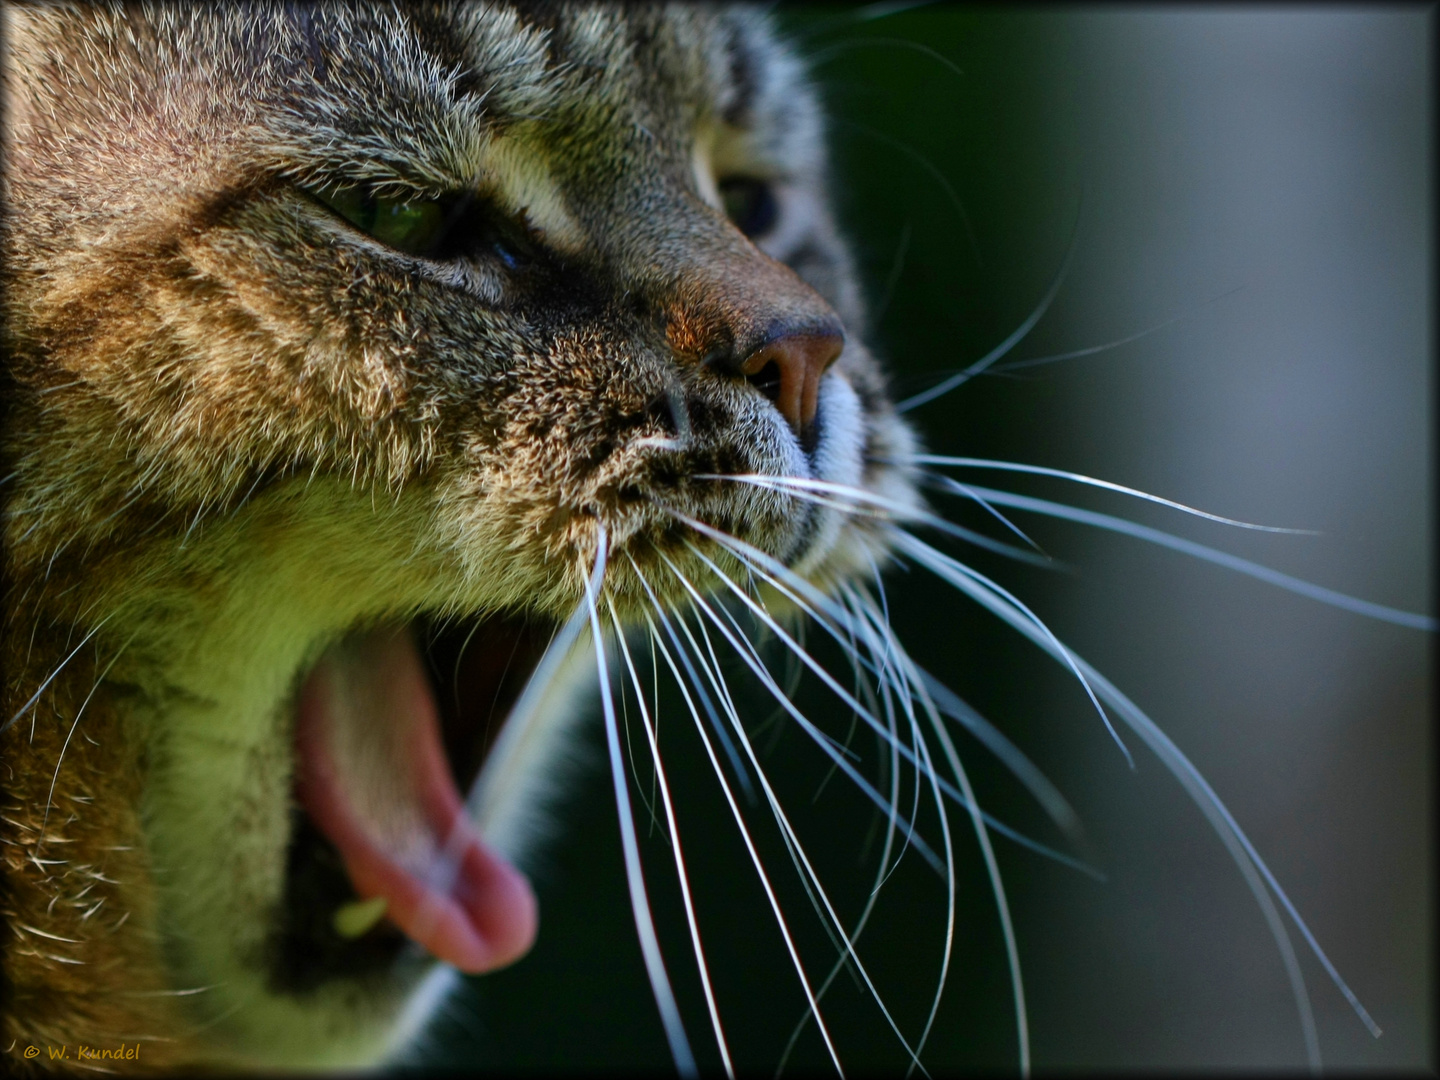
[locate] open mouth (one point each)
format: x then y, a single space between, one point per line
384 865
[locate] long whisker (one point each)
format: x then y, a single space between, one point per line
500 780
1252 867
706 704
992 738
648 803
739 821
882 873
859 686
680 871
821 739
1200 551
890 689
870 504
640 905
722 691
839 615
864 714
1094 350
992 867
885 685
1080 478
820 56
747 653
882 645
992 871
874 11
712 674
1016 336
792 839
933 171
1011 756
654 714
972 582
892 279
957 488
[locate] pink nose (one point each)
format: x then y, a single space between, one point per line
787 370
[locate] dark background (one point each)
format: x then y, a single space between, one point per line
1266 176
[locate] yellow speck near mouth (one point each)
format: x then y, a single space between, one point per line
359 916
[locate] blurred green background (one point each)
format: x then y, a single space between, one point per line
1208 152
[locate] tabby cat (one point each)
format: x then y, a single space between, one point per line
375 378
327 322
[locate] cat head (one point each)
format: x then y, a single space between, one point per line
325 320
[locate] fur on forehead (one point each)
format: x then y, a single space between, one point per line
424 90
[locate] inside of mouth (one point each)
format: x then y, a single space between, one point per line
392 727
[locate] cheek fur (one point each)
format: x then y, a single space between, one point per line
243 432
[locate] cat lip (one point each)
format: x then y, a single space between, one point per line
372 775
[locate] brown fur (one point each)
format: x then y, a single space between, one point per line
213 386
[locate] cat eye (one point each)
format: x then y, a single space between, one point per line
445 228
750 204
414 226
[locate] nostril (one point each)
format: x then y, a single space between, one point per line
787 370
767 380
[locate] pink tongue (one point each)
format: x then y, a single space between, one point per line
372 774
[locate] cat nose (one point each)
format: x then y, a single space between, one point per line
787 365
744 315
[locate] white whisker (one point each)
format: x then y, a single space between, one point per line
648 803
51 677
992 867
1015 337
882 645
972 583
1340 600
640 905
869 504
712 675
654 713
1080 478
839 615
858 686
706 704
1095 350
680 872
970 493
1045 793
822 740
882 873
740 823
1055 805
1253 868
793 841
50 797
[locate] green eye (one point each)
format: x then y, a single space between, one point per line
414 226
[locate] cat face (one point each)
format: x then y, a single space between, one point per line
328 323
